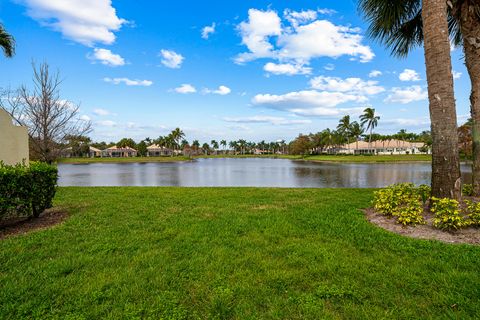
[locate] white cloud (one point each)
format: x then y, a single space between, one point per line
374 74
222 90
107 57
107 123
407 95
101 112
286 69
322 38
329 67
309 102
84 21
185 89
409 75
255 33
171 59
85 118
456 74
129 82
306 38
326 11
405 122
267 119
350 85
297 18
208 30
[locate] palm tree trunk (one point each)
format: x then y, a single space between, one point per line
470 25
446 179
370 140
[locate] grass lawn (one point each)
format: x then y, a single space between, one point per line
336 158
379 158
321 158
123 160
230 253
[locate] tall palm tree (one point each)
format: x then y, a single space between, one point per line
370 119
446 178
215 146
176 136
356 131
7 42
223 143
403 25
344 128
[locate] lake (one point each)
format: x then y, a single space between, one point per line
247 172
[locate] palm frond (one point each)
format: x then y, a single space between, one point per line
7 42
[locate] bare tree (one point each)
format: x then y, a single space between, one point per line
49 119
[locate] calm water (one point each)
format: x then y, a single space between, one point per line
246 172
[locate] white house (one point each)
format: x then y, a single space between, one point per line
157 151
386 147
116 152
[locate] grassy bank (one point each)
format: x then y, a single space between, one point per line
337 158
123 160
368 159
230 253
319 158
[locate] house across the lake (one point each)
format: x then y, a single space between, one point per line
119 152
385 147
158 151
70 153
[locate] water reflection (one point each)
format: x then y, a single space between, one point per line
246 172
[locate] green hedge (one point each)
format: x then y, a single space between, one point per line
26 191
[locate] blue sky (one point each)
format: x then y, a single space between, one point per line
258 70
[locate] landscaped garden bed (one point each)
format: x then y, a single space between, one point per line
410 210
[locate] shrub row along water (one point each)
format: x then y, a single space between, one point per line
407 203
26 191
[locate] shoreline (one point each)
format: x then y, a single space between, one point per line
315 158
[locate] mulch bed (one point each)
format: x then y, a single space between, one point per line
425 231
16 226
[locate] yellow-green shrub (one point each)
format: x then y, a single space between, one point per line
447 214
410 213
403 201
467 190
425 192
473 213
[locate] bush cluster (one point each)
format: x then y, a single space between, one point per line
403 201
26 191
406 202
447 214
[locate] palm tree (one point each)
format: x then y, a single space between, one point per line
403 25
223 143
233 145
371 120
344 128
206 148
7 42
356 131
214 144
176 136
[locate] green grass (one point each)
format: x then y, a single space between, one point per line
320 158
379 158
337 158
123 160
230 253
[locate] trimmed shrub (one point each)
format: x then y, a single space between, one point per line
425 192
473 213
26 191
467 190
447 214
403 201
410 212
